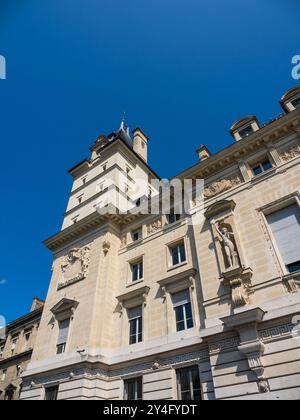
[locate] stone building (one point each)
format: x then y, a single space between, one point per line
199 305
16 350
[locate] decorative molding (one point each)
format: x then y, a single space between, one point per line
110 373
239 281
290 154
276 333
106 247
254 351
246 323
178 282
221 186
123 241
74 267
154 226
223 345
292 282
133 298
64 308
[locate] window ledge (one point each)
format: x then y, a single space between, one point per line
263 175
174 267
133 283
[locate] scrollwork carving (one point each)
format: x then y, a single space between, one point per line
291 154
154 226
74 266
221 186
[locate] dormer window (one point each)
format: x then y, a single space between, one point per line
296 103
244 128
246 132
291 100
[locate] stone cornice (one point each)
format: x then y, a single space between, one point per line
16 357
240 149
86 225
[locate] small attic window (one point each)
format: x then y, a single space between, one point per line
244 128
296 102
291 100
246 132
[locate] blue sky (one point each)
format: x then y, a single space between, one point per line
184 71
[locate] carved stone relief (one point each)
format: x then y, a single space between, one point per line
221 186
154 226
74 266
291 154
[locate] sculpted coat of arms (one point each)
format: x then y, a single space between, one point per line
74 266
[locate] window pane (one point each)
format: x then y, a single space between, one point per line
182 253
175 256
139 389
134 389
141 271
134 272
179 313
51 393
184 380
189 383
180 326
131 390
267 165
188 310
60 348
195 377
246 132
294 267
257 170
296 103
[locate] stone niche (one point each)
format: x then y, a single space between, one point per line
234 271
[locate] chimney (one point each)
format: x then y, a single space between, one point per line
36 304
140 143
203 153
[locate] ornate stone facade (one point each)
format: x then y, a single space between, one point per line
221 262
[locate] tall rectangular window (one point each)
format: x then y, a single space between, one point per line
178 254
63 336
51 393
188 382
137 270
183 310
285 226
134 389
135 318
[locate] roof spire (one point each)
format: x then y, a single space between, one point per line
124 130
123 124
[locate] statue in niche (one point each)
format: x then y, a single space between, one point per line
228 243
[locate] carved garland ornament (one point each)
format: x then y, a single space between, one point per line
74 266
291 154
154 227
221 186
